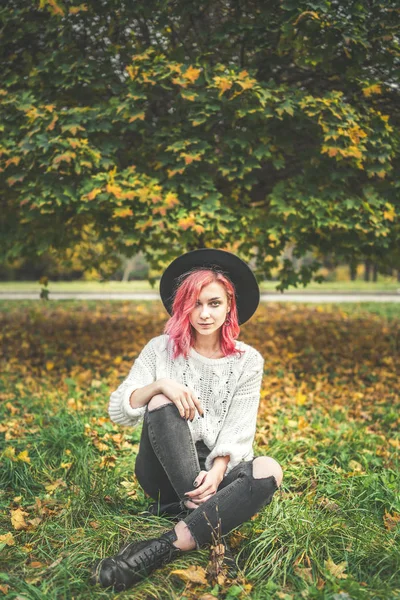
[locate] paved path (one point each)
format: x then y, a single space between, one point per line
265 297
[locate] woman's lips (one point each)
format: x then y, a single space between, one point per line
205 324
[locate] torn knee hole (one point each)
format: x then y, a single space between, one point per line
265 466
158 401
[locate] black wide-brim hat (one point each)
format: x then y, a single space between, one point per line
240 274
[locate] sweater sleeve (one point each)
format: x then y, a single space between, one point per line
238 430
143 372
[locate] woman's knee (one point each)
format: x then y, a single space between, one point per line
265 466
157 401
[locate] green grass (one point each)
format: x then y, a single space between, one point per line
384 284
337 448
386 310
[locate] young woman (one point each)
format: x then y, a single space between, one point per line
197 391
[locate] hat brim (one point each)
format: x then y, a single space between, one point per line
242 277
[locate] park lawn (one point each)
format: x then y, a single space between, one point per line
329 413
384 284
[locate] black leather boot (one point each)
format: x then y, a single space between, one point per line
135 562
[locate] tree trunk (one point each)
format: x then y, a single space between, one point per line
353 270
128 268
367 270
375 273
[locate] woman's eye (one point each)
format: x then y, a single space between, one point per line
212 303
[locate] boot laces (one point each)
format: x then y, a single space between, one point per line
149 558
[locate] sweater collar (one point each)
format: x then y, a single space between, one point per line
212 361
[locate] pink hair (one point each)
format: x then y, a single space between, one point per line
179 328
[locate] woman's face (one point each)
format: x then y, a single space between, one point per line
211 308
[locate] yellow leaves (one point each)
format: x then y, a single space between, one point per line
146 225
139 115
189 76
15 160
304 573
35 564
171 200
173 172
51 126
9 452
189 158
390 213
186 222
49 365
355 468
355 133
73 10
52 487
18 519
391 521
74 404
371 90
246 82
13 409
65 157
350 151
188 96
269 258
93 194
336 570
223 84
84 377
115 190
130 488
108 462
7 539
301 398
32 113
73 128
193 574
122 213
23 457
55 8
132 71
306 13
190 222
395 443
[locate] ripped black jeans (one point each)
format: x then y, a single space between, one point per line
168 462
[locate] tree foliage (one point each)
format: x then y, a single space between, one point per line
169 126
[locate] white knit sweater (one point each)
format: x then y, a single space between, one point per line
228 389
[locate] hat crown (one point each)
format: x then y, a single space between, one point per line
230 265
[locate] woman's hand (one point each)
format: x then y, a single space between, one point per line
207 486
183 397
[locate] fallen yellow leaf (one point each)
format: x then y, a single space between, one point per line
192 574
36 565
301 398
56 484
336 570
9 452
18 519
7 539
23 456
391 520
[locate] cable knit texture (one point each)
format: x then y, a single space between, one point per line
228 388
